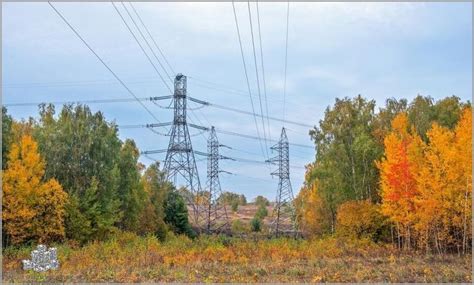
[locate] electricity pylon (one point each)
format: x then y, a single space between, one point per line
180 160
216 213
284 211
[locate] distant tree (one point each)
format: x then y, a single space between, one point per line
260 200
230 198
242 200
32 209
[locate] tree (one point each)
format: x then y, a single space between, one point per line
463 156
260 200
130 191
445 188
312 214
6 136
398 169
176 214
153 215
383 120
32 209
421 114
230 198
82 148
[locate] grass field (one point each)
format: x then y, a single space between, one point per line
129 258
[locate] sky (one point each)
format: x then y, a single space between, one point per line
378 50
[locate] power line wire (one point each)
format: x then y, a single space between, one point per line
141 47
96 101
152 39
154 99
247 112
146 42
263 69
286 57
102 61
247 77
258 79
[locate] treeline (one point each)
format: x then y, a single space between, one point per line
403 174
69 176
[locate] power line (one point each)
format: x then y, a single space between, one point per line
258 79
263 69
97 101
247 77
146 42
247 112
102 61
231 133
156 98
152 39
256 138
141 47
286 57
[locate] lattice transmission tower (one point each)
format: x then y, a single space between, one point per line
216 213
180 161
284 211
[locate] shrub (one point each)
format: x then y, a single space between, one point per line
235 206
360 219
239 227
262 212
256 224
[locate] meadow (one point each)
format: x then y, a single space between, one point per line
131 258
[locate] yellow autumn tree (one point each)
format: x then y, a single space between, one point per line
437 182
310 212
463 156
32 209
445 186
398 171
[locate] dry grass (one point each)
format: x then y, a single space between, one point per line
129 258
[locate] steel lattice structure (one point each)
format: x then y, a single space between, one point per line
216 213
180 161
283 212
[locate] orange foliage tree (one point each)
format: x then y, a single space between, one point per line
398 171
426 188
32 209
445 185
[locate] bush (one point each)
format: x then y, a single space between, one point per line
360 219
239 227
262 212
235 206
256 224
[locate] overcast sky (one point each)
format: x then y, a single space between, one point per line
379 50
